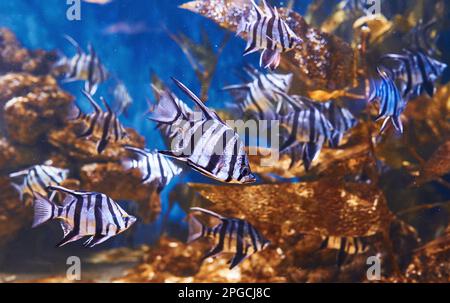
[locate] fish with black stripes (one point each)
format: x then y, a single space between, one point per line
231 235
308 129
204 141
259 97
36 179
414 72
84 67
154 167
83 214
340 118
390 99
345 246
100 125
267 31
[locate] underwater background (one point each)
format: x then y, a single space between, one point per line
133 39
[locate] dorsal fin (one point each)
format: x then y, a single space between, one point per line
209 114
74 44
207 212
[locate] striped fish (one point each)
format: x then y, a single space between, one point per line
340 118
83 214
266 31
231 235
153 166
37 178
259 97
392 104
415 73
308 129
103 126
85 67
205 143
345 245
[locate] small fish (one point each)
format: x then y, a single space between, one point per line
416 72
206 143
154 166
266 31
122 98
83 214
340 118
308 129
259 97
126 28
392 104
231 235
101 125
85 67
37 178
346 246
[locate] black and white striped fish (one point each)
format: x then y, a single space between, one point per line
204 142
231 236
308 129
268 32
37 178
83 214
85 67
154 166
340 118
100 125
392 104
345 246
259 98
415 72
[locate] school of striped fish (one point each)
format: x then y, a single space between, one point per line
204 142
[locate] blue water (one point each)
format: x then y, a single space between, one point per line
42 24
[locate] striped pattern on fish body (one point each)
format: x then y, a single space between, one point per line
231 235
268 32
100 125
85 66
306 123
345 246
36 179
416 72
340 118
392 104
83 214
208 145
153 166
259 97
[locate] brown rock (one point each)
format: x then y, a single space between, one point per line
40 108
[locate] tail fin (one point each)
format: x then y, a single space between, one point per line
195 229
167 111
43 210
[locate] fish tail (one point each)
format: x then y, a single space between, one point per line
167 111
196 229
43 210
